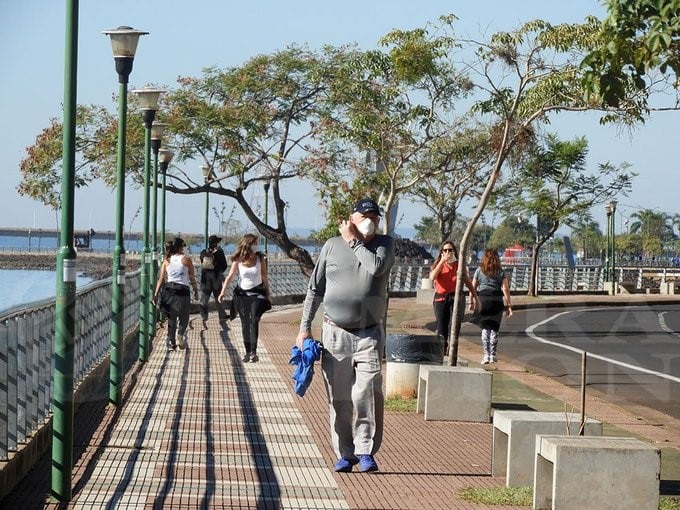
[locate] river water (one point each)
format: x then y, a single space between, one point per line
21 286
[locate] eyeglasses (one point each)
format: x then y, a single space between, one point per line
447 249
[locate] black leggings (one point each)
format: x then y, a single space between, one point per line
250 309
443 312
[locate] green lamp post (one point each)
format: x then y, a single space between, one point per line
164 157
64 321
124 44
148 99
207 177
157 130
267 183
612 205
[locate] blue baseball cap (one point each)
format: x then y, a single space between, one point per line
366 205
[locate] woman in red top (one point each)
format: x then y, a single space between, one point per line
444 275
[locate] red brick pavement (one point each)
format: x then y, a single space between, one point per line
423 464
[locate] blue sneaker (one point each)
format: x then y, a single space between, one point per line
367 464
344 465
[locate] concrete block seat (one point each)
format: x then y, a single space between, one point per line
514 440
454 393
604 473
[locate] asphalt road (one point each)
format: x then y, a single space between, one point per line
633 352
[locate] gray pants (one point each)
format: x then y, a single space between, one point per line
351 364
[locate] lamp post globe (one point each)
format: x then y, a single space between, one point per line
124 41
148 100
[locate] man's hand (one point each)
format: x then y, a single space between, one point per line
348 231
301 338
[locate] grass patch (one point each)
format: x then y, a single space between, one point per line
516 496
404 405
669 503
523 496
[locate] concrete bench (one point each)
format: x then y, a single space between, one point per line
617 473
454 393
514 440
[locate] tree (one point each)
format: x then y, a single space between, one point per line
512 230
96 139
639 37
427 230
649 223
555 187
460 165
654 227
392 112
587 235
519 79
629 245
253 125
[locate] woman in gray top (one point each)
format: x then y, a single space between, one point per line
492 287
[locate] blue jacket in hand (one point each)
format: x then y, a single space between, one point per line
304 363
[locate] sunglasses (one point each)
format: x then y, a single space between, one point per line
447 249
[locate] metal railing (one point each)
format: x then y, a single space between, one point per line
27 361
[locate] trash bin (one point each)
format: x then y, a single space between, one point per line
404 355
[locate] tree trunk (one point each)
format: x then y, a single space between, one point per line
533 278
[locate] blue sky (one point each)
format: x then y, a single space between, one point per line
184 39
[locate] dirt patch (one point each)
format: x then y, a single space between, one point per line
94 265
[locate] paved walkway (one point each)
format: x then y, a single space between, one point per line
200 429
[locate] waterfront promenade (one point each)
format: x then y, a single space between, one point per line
200 429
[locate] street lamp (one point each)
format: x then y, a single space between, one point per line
612 206
267 183
124 44
148 99
207 177
164 157
64 321
608 212
157 130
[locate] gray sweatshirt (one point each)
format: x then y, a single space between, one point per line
352 283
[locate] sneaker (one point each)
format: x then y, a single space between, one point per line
254 358
246 358
344 465
170 346
486 359
367 464
181 340
493 358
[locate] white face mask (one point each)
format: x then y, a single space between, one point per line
366 227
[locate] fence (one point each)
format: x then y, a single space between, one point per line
27 360
27 334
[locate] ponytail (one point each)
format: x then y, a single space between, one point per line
174 247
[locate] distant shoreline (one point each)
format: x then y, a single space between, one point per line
95 266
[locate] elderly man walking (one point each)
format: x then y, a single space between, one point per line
351 279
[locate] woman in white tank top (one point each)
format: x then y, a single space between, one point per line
252 296
175 277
